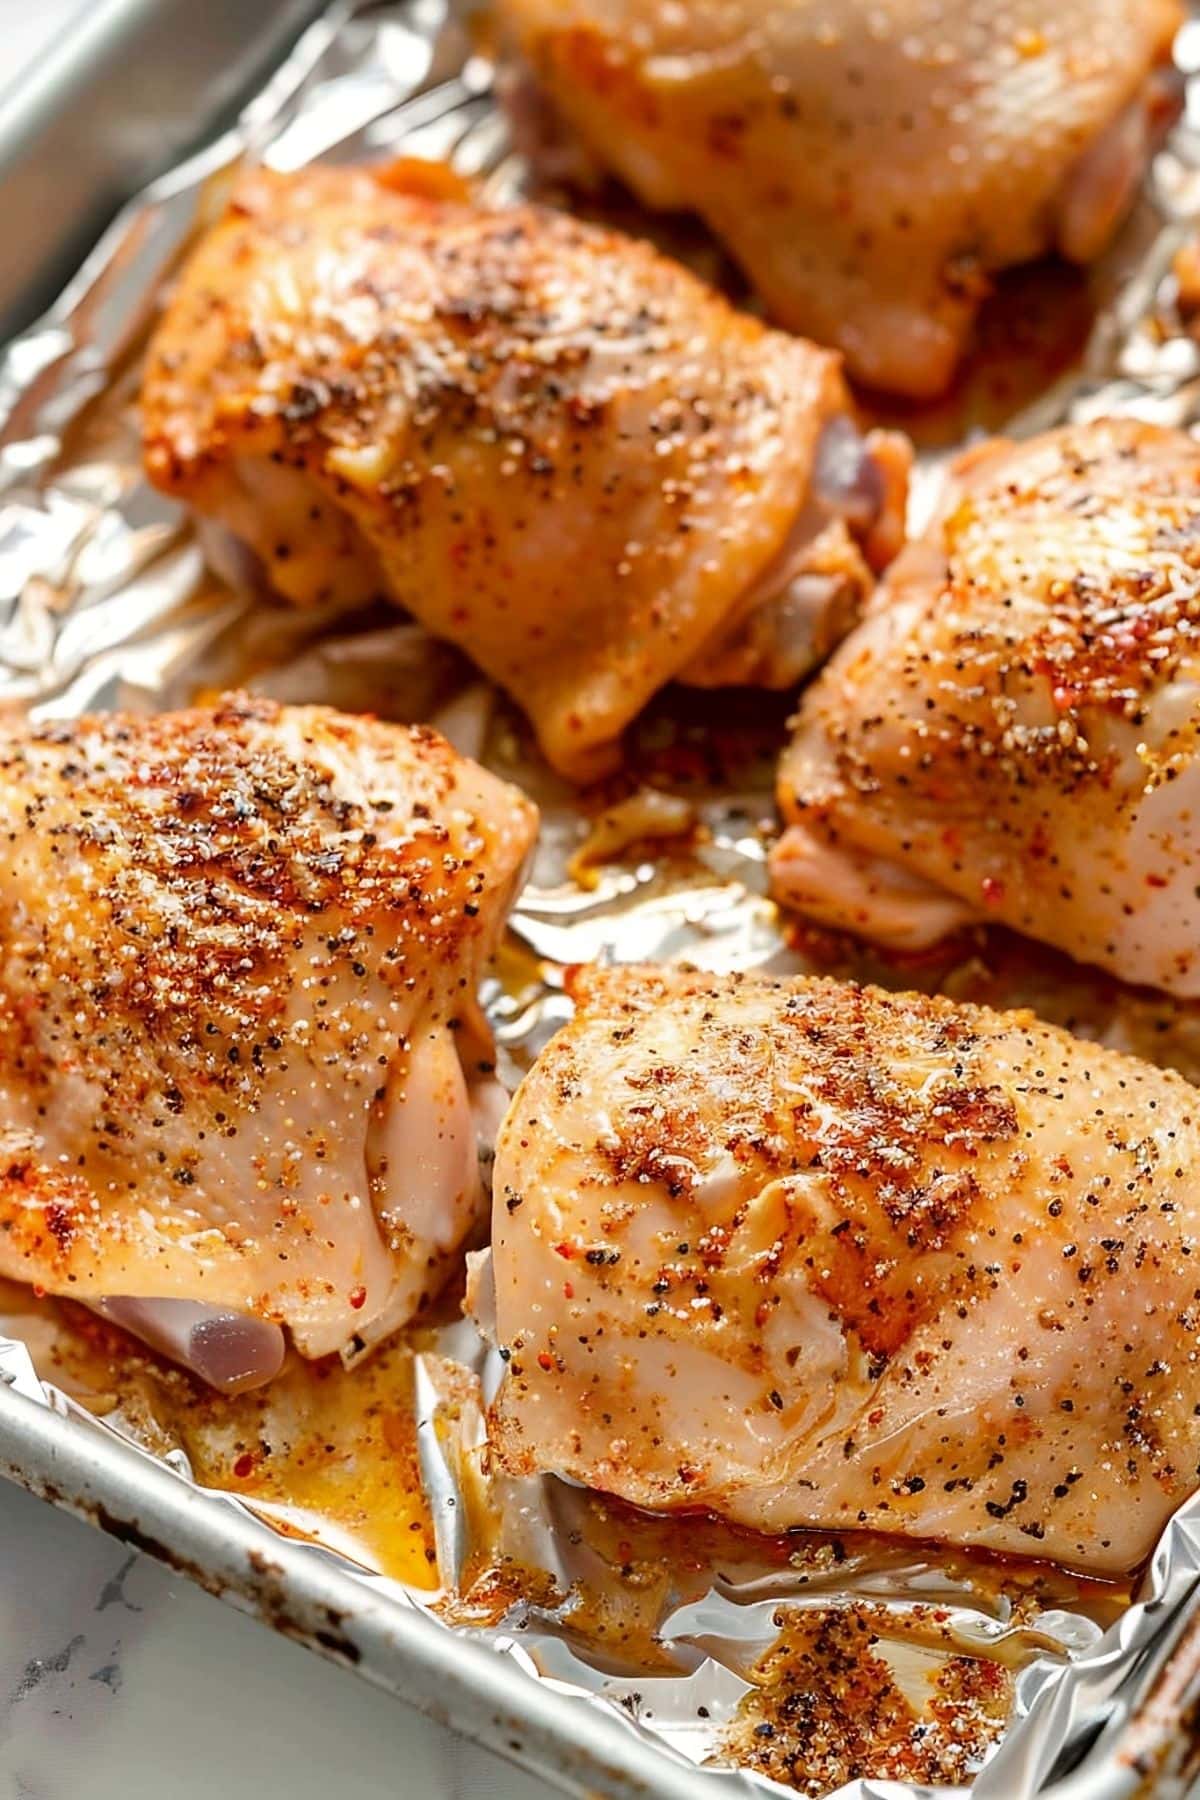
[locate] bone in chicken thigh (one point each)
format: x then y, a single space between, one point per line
807 1254
869 162
239 1037
554 446
1011 733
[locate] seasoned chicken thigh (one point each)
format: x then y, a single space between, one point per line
239 1038
551 444
807 1254
869 162
1011 734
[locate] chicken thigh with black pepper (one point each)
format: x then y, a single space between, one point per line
554 446
808 1254
240 1046
870 163
1010 735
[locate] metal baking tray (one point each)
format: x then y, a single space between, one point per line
143 83
133 86
138 85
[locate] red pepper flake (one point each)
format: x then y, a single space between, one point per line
992 890
358 1298
1156 881
244 1465
545 1361
39 1292
568 1290
566 1251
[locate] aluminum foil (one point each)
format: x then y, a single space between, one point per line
106 600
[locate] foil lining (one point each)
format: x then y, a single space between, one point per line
106 600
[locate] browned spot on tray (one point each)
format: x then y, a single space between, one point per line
849 1693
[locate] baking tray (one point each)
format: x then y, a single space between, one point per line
128 89
170 75
137 86
316 1602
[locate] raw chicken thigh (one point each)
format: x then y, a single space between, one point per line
1011 734
551 444
869 162
239 1038
807 1254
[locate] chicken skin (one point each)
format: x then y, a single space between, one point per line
552 445
239 1038
807 1254
1011 734
870 163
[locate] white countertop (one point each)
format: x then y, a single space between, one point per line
119 1681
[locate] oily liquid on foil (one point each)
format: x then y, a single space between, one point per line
861 1667
851 1671
320 1454
846 1688
849 1674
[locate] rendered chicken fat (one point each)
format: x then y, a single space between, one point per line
554 446
1011 732
869 162
805 1254
239 1037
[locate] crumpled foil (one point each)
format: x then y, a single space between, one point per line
106 600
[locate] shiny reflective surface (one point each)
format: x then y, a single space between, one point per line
105 601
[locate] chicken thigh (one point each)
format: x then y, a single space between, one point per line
1011 734
869 162
551 444
807 1254
239 1037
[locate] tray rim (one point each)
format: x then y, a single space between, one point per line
316 1601
58 103
305 1594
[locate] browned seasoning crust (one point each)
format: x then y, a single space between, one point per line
553 445
812 1254
224 933
826 1707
